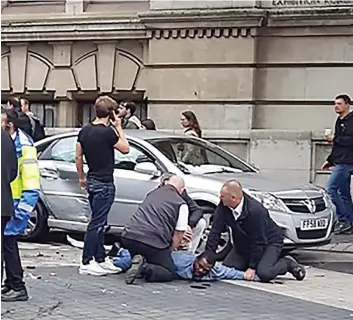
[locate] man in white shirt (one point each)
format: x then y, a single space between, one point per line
154 231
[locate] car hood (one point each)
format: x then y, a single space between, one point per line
255 182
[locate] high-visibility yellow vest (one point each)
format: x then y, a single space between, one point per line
28 172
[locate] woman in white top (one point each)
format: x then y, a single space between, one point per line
190 154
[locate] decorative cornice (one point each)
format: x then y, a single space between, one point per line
65 29
218 23
201 33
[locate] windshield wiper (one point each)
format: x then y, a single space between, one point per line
221 170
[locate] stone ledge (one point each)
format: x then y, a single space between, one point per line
227 135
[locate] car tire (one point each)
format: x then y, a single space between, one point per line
41 228
221 255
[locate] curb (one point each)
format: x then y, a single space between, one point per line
338 247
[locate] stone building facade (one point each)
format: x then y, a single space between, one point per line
260 75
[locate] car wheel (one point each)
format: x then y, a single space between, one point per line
224 245
37 228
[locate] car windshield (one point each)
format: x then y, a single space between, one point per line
199 156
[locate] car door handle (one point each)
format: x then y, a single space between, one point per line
49 175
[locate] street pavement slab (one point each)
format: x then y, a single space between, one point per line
340 243
62 294
326 287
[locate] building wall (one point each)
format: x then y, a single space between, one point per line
260 75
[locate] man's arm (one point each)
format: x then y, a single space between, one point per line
121 144
79 166
344 141
195 212
79 161
257 235
218 226
181 226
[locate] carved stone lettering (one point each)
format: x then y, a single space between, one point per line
311 3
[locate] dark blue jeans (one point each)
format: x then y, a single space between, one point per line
339 190
101 197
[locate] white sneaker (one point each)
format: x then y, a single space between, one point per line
93 268
109 266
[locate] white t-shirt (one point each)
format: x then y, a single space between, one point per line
182 223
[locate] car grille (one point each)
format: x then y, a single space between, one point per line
313 205
312 234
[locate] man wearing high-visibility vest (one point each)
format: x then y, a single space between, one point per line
25 192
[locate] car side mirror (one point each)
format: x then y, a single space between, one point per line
148 168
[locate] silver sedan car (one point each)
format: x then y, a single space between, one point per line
304 212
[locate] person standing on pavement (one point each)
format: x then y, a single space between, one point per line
154 231
149 124
189 153
25 189
96 142
257 240
37 128
196 222
341 161
8 174
127 111
23 121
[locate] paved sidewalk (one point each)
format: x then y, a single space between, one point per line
67 296
320 286
340 243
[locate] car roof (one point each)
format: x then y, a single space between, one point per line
139 134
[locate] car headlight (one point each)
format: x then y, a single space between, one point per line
327 198
269 201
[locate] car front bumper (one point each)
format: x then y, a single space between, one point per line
294 237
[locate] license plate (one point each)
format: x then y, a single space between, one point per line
313 224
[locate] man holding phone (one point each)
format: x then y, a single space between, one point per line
97 142
341 161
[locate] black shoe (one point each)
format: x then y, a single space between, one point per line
5 289
114 251
297 270
13 296
133 273
342 227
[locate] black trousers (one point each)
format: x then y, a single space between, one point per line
10 256
159 265
270 266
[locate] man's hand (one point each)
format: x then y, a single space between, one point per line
116 121
249 275
330 138
326 166
83 184
188 234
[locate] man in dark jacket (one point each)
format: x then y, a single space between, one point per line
341 161
257 240
197 224
8 174
23 121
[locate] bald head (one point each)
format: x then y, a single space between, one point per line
231 193
177 182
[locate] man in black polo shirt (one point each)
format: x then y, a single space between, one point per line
257 240
155 230
96 142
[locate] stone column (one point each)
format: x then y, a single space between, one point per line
66 113
74 6
18 66
61 79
